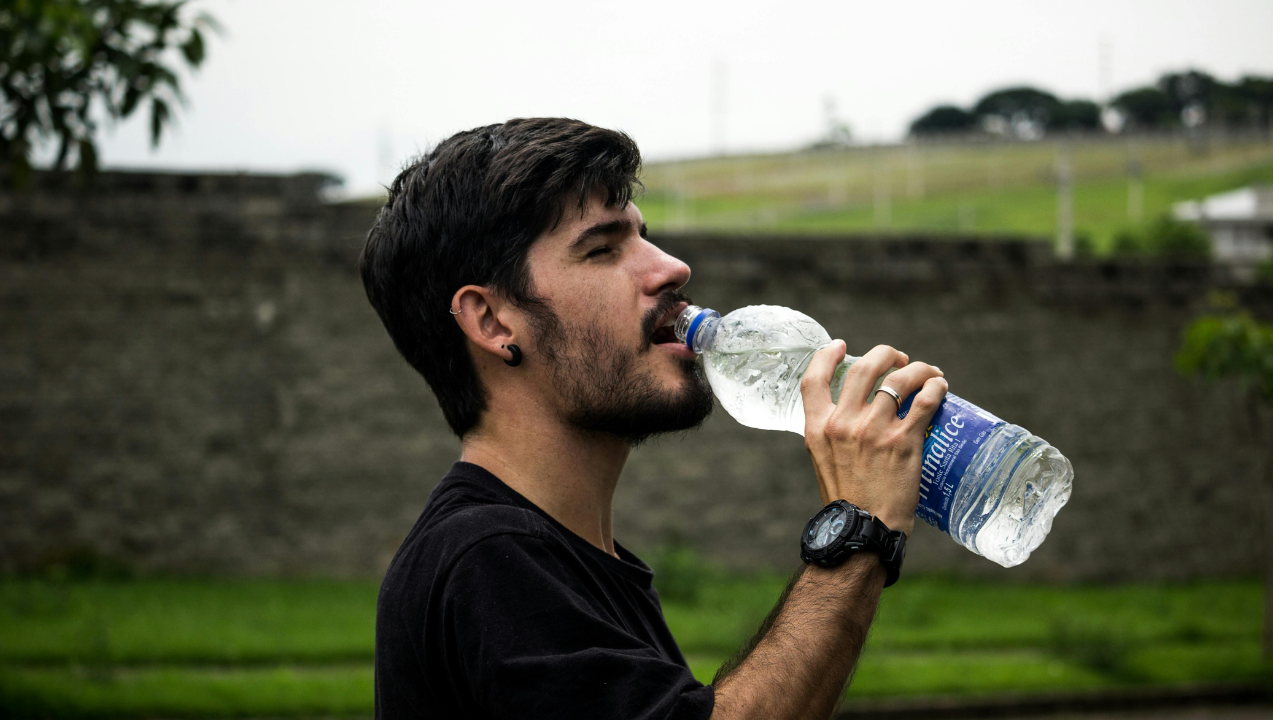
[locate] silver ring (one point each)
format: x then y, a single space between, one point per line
454 312
891 393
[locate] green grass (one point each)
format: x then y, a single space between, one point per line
172 692
279 648
974 188
187 621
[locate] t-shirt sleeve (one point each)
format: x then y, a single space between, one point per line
527 639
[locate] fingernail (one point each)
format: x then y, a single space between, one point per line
937 369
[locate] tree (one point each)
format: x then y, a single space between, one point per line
943 119
1076 115
60 60
1164 237
1178 240
1228 343
1194 98
1037 111
1147 108
1189 90
1246 103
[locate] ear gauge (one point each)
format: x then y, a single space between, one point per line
516 355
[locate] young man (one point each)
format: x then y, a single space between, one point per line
513 273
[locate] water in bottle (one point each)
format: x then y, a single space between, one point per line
992 486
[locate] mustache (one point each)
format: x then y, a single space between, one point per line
666 303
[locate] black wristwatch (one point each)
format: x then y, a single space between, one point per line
842 529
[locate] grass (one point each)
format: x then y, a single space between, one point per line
946 189
279 648
187 621
185 692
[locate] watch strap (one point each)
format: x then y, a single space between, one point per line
868 534
889 545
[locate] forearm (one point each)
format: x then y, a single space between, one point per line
801 662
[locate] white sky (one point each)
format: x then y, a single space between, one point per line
354 88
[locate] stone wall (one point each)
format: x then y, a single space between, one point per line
192 381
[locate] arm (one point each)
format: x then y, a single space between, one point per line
800 662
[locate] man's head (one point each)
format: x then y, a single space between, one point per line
526 230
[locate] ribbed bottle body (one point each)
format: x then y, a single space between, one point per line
994 487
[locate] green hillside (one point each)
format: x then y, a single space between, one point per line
970 187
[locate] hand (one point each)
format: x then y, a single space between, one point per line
861 451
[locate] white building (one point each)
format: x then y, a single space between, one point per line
1238 223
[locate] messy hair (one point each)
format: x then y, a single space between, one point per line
466 213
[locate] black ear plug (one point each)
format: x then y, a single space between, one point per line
516 355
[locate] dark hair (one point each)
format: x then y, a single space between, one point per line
465 214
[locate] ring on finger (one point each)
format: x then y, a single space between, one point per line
897 399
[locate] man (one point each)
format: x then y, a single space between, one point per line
512 271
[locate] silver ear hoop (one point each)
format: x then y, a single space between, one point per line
454 312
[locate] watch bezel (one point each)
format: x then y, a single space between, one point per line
845 544
861 532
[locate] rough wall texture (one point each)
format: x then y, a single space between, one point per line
191 380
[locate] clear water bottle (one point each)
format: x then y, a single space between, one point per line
992 486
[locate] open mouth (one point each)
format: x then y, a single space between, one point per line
666 327
664 334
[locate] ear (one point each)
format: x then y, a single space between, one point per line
488 320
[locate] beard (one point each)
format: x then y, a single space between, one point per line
603 387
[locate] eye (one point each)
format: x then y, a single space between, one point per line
602 250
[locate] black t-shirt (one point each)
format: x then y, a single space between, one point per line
492 609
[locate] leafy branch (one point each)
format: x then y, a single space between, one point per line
1228 343
60 60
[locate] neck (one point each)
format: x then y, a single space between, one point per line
571 475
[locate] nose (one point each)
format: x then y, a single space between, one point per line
663 272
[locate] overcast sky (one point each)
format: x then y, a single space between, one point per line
354 88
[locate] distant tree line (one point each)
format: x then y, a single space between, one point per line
1186 99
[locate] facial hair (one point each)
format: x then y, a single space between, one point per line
602 384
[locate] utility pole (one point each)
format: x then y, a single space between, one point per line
675 201
915 170
1134 168
1104 71
1065 241
882 191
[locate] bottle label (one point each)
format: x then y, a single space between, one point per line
955 434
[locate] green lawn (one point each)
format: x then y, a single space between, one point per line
280 648
945 189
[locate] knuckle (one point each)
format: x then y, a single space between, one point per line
903 445
865 433
811 442
839 428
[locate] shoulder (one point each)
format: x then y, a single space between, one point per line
443 539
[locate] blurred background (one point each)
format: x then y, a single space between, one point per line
209 448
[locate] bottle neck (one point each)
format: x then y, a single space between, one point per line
697 326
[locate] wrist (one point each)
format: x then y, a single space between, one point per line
842 531
893 518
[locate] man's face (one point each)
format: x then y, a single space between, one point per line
604 333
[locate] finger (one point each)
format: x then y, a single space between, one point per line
926 404
815 386
904 382
864 373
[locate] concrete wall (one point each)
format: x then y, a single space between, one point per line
192 381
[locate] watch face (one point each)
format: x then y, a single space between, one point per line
826 529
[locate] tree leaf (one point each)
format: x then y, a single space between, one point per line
193 49
159 116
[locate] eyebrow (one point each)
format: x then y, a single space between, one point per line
606 228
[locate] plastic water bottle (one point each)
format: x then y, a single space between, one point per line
992 486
